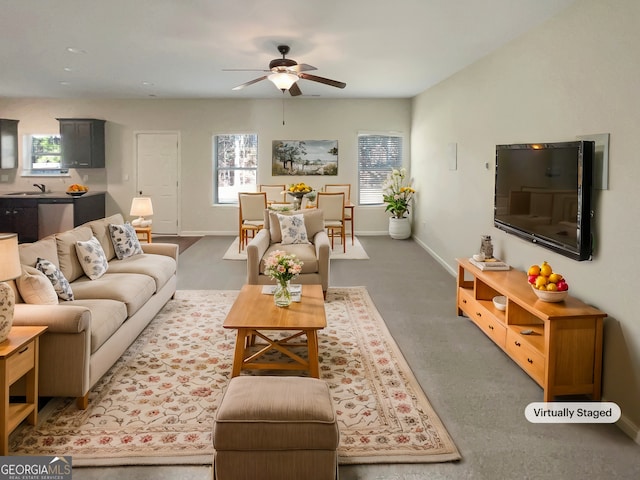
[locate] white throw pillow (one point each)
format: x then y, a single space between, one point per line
57 279
293 229
35 287
92 258
125 240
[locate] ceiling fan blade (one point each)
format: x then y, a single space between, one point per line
326 81
294 90
251 82
302 67
244 70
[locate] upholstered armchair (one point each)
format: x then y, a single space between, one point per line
315 254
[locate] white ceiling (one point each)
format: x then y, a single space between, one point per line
179 48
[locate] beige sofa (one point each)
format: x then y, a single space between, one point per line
87 335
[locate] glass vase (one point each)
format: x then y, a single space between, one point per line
282 294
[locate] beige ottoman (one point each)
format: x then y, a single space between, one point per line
275 428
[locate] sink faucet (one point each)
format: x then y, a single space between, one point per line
41 186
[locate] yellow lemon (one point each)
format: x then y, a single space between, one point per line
552 287
555 277
541 281
545 269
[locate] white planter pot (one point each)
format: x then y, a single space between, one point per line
399 228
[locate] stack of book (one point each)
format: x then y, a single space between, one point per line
295 289
490 264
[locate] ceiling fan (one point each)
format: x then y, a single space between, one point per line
285 73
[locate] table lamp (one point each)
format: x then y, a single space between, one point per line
9 269
141 207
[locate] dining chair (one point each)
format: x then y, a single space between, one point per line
332 206
251 215
275 193
348 211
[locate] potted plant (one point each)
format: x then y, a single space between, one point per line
397 194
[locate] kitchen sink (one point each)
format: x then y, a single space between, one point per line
25 193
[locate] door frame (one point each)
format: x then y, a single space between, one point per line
178 167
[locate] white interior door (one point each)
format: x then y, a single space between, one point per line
157 177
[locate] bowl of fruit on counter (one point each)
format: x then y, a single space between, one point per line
77 190
548 285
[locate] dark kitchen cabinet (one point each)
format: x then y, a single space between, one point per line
21 217
8 143
37 216
82 141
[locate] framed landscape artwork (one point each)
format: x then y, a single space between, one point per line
304 157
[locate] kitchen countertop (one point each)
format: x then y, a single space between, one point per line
45 196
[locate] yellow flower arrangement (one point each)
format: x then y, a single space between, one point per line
299 188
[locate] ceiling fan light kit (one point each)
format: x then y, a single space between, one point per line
286 72
283 80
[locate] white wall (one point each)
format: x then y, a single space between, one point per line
577 74
197 121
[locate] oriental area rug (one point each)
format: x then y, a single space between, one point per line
157 403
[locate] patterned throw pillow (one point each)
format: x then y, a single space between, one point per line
92 258
293 229
57 279
125 240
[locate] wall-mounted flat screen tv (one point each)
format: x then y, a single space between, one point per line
543 194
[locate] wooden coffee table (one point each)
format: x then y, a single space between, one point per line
253 313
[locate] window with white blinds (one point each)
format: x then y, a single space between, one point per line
378 154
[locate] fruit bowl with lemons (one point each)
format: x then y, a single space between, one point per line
548 285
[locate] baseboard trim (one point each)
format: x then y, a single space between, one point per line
436 257
629 428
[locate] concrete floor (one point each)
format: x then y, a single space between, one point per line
477 391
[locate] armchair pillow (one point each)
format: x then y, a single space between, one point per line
35 287
313 222
92 258
125 240
292 229
57 279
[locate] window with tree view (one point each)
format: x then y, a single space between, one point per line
236 165
43 155
378 154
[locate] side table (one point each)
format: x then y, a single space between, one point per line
146 231
18 358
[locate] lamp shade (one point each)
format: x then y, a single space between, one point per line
9 257
283 80
141 206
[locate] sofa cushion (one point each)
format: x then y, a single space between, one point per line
313 222
35 287
292 229
67 257
106 318
125 240
43 248
305 252
132 289
100 229
56 277
160 267
92 258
